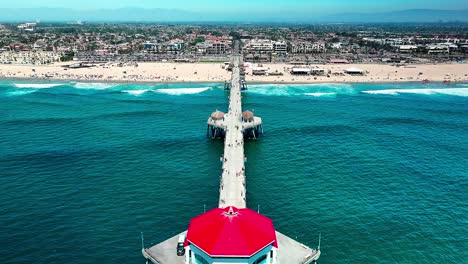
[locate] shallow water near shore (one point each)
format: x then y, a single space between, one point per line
379 169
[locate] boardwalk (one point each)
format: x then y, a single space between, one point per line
232 191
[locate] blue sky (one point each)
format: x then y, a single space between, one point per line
313 6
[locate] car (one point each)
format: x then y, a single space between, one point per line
180 246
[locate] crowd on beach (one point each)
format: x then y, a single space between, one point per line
216 72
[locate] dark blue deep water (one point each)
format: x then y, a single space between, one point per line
381 170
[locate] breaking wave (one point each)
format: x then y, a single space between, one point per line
36 85
95 86
448 91
321 94
20 92
317 90
182 91
135 92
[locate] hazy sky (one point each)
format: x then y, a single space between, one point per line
322 6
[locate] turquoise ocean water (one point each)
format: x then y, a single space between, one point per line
381 170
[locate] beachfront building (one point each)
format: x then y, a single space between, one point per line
441 48
152 47
202 47
435 49
259 70
231 235
280 47
30 57
174 46
212 47
308 47
259 46
408 48
218 47
354 71
301 71
395 42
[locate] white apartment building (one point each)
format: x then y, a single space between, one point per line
259 46
308 47
280 47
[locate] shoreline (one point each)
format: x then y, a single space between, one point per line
193 73
221 83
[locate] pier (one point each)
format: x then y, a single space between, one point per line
232 233
235 125
232 189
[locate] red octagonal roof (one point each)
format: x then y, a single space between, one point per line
231 232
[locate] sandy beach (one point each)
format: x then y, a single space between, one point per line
214 72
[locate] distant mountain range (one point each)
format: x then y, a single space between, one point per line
98 15
176 15
412 15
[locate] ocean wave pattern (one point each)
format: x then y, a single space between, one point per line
447 91
317 90
37 85
323 90
20 92
136 92
85 171
93 86
174 91
84 88
182 91
321 94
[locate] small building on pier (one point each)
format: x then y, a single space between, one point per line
231 235
216 126
247 116
217 115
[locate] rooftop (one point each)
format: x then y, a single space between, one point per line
229 232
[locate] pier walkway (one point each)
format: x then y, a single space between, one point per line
232 191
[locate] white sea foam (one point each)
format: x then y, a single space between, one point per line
270 90
135 92
182 91
20 92
318 89
321 94
36 85
426 91
95 86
